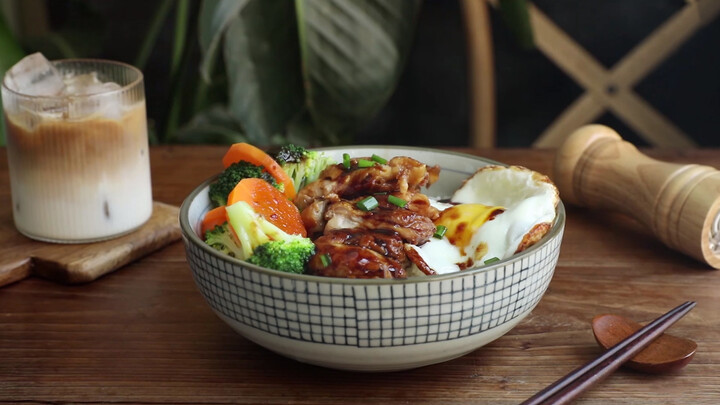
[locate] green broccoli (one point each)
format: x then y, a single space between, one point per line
289 255
230 177
222 238
302 165
265 244
290 154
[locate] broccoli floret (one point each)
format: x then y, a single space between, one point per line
302 165
290 154
230 177
254 231
289 255
258 241
223 239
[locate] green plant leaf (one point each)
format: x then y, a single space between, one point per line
353 53
153 31
182 14
516 17
262 63
10 54
10 50
303 131
215 17
214 125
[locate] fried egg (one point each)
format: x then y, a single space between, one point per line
496 212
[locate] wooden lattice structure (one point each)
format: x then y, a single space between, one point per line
605 89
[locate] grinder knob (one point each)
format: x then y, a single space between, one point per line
679 203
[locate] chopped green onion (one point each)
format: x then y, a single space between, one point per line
346 160
492 260
379 159
367 204
440 232
325 259
397 201
365 163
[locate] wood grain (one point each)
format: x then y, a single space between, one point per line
481 60
665 354
568 388
145 335
21 257
678 203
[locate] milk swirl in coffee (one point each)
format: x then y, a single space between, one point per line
79 163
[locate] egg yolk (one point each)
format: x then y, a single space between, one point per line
463 220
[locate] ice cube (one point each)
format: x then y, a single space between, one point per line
87 84
101 103
110 86
81 85
35 76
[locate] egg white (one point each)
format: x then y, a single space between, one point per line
528 198
441 255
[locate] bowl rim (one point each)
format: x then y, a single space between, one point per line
191 237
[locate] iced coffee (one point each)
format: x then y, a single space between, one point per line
77 149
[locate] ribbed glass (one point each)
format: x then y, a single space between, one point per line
79 165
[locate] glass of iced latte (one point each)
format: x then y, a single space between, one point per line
77 149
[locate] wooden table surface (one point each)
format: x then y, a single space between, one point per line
145 335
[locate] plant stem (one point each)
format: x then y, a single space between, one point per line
152 34
182 79
181 28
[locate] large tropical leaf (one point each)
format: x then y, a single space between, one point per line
214 125
303 131
353 52
262 62
215 17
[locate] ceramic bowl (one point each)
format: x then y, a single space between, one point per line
373 325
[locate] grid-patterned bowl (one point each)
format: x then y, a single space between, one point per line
373 325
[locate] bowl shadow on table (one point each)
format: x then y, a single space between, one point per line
454 381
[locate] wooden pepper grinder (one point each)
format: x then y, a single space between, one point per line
679 203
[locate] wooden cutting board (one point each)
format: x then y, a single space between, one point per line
21 257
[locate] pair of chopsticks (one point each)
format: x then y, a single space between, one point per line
578 381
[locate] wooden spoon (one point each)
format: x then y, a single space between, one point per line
666 354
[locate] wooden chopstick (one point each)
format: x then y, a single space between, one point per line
578 381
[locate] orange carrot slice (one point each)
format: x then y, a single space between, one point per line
213 218
269 202
249 153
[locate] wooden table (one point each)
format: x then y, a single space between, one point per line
144 334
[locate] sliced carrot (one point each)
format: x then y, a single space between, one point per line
249 153
213 218
269 202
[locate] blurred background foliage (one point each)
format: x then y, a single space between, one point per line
309 70
286 65
312 72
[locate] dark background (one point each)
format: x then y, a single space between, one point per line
430 106
431 103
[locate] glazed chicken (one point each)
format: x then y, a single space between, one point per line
416 216
359 243
410 226
400 175
359 254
